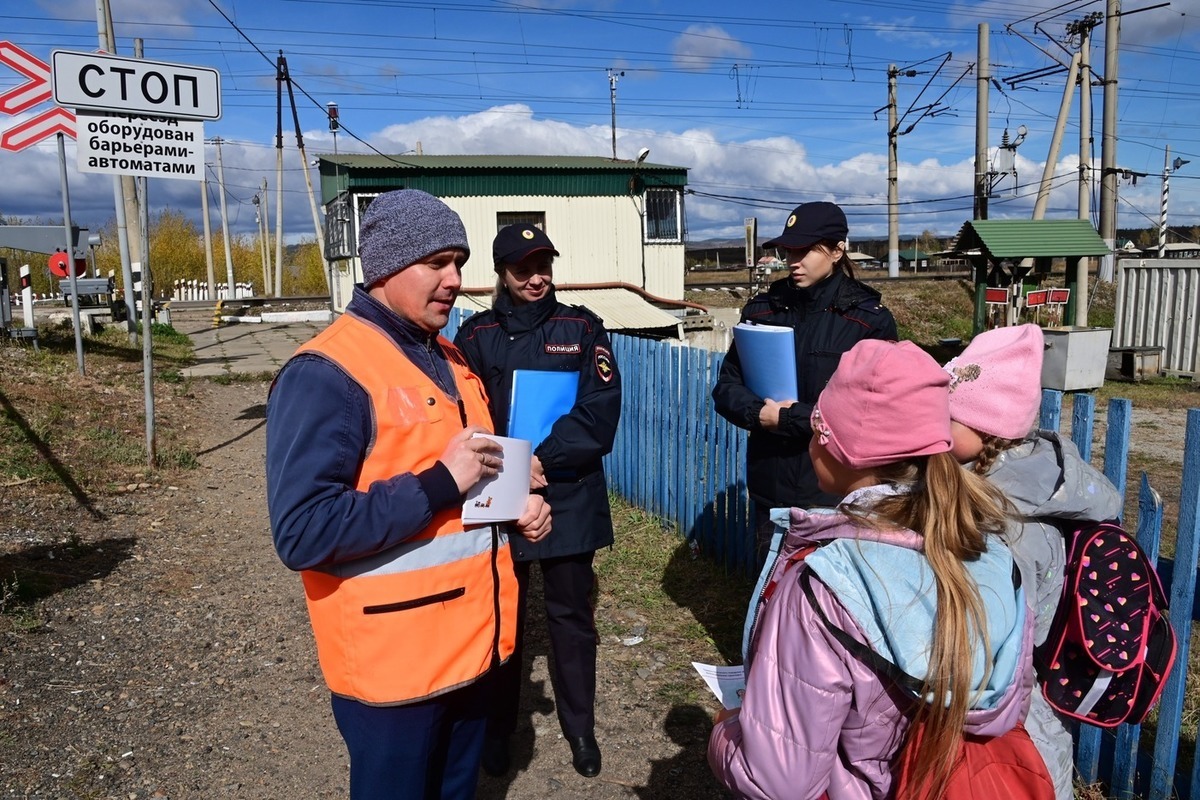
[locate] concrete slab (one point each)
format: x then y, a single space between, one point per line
231 348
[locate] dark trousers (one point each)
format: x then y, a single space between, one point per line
764 529
568 583
424 751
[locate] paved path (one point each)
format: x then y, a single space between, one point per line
239 347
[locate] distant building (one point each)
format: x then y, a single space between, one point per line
864 261
913 260
615 221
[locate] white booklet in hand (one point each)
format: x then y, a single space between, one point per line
502 497
727 683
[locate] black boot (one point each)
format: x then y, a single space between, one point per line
585 755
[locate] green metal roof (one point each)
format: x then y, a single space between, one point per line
360 161
1030 238
475 176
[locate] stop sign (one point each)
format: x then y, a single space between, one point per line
58 265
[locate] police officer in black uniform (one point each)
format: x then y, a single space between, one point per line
830 312
527 328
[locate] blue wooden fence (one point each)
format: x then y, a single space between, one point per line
677 459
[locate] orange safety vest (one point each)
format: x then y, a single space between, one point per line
439 610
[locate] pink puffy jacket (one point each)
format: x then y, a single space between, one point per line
815 719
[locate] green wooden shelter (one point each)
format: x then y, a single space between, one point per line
1005 251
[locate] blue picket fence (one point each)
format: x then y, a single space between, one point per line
678 460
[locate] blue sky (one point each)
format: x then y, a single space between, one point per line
768 104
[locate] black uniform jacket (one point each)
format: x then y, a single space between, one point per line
547 335
829 319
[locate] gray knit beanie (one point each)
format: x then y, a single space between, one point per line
401 228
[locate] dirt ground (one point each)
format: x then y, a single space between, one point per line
169 654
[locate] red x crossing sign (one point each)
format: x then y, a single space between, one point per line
36 90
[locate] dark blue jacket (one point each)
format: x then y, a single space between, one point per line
319 428
548 335
829 319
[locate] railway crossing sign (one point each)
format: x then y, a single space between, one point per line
34 91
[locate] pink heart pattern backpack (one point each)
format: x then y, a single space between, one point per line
1111 646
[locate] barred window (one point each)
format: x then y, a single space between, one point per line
662 215
535 218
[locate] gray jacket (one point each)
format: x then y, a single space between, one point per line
1044 477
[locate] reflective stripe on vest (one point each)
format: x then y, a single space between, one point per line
421 554
439 610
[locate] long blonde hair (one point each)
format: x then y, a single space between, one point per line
956 511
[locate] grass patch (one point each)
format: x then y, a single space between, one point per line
686 608
87 431
229 378
1161 392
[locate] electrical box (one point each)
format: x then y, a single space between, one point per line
1076 358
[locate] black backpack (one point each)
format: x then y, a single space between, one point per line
1110 645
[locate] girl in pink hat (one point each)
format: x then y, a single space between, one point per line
995 394
904 614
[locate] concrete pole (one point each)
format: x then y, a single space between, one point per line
103 27
278 225
612 100
133 214
1108 143
1083 264
211 294
1162 214
263 258
1060 125
224 219
147 328
982 85
1085 125
893 179
268 282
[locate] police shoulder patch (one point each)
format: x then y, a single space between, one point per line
604 363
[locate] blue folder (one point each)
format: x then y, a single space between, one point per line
768 356
538 399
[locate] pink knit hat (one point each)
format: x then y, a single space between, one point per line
886 403
996 383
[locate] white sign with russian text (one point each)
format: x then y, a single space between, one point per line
122 144
135 86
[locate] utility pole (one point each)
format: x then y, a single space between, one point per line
1108 143
264 259
268 284
335 123
893 178
612 99
982 84
103 24
312 200
1060 126
281 76
208 252
218 141
1168 168
1083 28
133 215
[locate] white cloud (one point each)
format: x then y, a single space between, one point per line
129 15
700 45
763 177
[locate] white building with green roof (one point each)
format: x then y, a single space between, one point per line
615 222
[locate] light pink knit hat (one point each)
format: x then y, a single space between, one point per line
885 403
996 383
